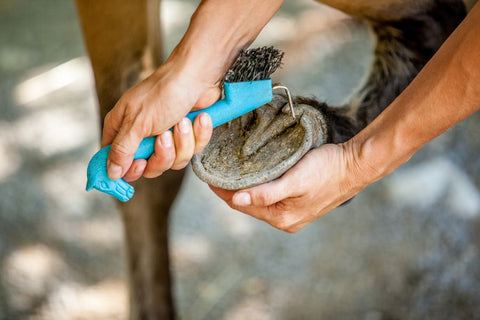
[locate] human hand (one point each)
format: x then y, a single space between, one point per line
151 108
189 78
325 178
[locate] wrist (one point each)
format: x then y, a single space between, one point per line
381 148
202 64
217 32
360 172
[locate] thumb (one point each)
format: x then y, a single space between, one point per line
121 153
209 97
263 195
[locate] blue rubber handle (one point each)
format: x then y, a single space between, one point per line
240 98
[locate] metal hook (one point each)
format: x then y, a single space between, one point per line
289 97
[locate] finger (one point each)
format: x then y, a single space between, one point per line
202 129
225 195
275 215
123 149
184 143
263 195
208 98
163 157
111 125
261 213
136 170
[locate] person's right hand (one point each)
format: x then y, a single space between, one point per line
150 109
189 79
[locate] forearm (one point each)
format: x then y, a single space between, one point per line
218 30
444 93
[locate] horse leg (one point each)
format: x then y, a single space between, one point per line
123 41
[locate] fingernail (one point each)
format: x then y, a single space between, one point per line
242 199
184 125
166 139
114 171
204 120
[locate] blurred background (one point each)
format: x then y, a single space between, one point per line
407 247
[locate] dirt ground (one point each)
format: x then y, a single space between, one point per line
407 247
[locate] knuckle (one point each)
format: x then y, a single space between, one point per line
129 105
166 160
283 223
108 117
180 165
133 110
132 118
127 96
291 230
130 177
119 149
263 198
129 112
281 226
130 98
152 174
137 125
159 164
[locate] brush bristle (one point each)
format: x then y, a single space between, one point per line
254 64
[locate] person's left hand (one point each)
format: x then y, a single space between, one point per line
324 178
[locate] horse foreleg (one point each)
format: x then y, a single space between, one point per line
123 41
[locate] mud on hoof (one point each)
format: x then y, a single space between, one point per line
260 146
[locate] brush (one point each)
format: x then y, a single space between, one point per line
246 86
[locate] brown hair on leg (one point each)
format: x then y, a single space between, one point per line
123 41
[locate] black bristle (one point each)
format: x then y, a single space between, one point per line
254 64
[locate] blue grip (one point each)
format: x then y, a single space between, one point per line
215 111
240 98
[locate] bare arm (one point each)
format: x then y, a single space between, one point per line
218 30
444 93
189 78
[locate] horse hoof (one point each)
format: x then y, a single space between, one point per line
260 146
